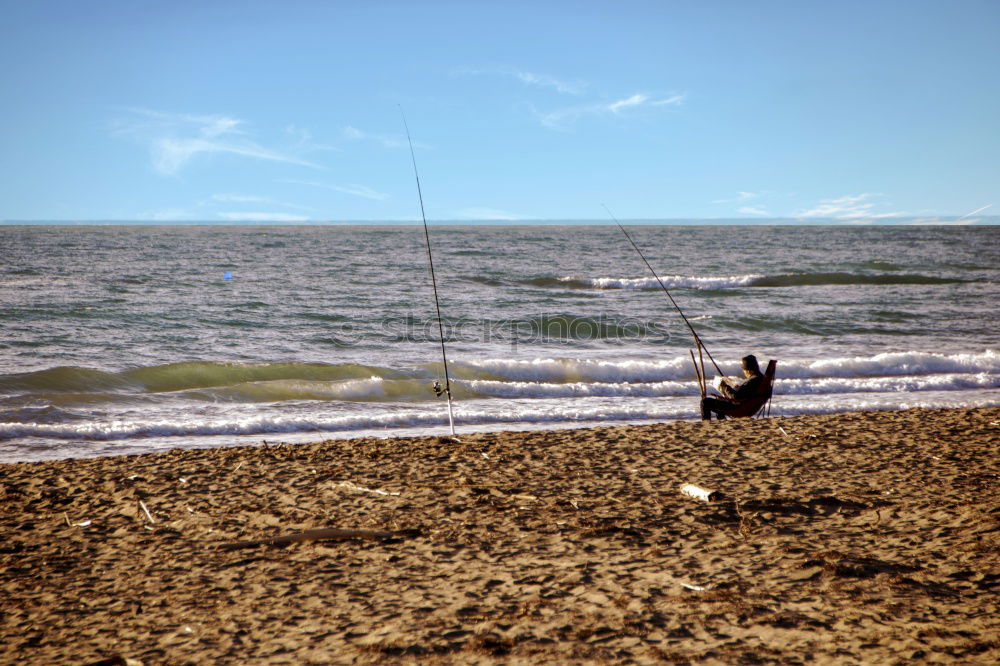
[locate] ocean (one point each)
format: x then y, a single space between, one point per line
133 339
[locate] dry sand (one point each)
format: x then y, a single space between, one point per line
853 538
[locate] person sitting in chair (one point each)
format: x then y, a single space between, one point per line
734 397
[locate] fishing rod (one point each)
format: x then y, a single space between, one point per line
697 339
437 304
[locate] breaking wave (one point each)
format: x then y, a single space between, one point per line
569 370
504 377
178 376
669 281
743 281
314 398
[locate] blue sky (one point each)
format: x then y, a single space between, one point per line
290 111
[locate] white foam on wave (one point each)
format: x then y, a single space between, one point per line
284 389
892 363
911 384
578 389
669 281
572 370
513 412
825 386
800 405
479 413
565 370
582 410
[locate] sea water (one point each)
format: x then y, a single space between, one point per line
130 339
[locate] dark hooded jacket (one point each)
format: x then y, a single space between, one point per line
749 387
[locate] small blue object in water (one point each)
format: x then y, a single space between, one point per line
227 276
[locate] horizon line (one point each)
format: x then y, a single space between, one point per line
935 220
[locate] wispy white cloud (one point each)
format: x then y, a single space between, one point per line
304 140
351 133
167 215
171 154
352 189
529 78
479 213
360 191
864 208
142 121
740 197
846 206
635 100
174 139
546 81
964 220
238 198
253 199
673 100
857 208
561 118
748 203
262 217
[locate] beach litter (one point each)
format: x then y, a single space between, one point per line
701 493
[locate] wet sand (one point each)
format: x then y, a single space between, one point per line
850 538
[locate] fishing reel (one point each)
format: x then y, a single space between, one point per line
440 390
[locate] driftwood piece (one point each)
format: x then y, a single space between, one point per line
701 493
326 534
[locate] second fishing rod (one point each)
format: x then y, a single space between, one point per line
697 339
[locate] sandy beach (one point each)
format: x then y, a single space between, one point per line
849 538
